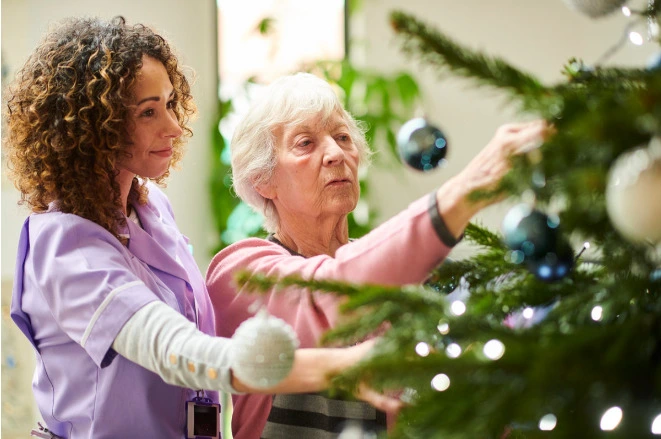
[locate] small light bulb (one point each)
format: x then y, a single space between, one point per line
458 307
548 422
494 349
636 38
422 349
453 350
656 425
528 313
597 313
443 328
626 11
611 419
440 382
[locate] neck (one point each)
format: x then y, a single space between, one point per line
125 181
314 238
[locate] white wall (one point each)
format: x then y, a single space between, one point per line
190 28
536 36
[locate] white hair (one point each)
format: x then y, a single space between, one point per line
290 100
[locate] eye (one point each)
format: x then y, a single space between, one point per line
304 143
343 138
147 113
171 104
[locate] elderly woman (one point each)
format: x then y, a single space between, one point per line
295 159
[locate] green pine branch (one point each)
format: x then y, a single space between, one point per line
442 52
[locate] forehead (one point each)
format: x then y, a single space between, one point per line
152 78
313 122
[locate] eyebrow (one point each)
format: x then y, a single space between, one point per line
153 98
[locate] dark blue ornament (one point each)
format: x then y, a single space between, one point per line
421 146
555 265
531 234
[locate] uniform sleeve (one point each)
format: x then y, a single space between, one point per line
88 279
401 251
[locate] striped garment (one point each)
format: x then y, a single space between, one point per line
315 416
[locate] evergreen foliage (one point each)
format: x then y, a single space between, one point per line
567 367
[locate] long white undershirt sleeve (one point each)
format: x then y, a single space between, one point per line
160 339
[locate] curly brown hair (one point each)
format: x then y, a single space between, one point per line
67 116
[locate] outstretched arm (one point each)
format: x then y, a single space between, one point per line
160 339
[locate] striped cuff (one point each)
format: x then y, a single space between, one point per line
439 225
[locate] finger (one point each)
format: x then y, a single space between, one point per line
382 402
532 137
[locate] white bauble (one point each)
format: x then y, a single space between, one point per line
263 350
633 194
595 8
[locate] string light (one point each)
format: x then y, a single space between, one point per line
440 382
494 349
656 425
597 313
636 38
548 422
443 328
528 313
453 350
422 349
458 307
611 419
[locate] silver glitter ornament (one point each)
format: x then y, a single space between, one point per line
595 8
263 350
633 193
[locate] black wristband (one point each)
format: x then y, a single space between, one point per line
439 225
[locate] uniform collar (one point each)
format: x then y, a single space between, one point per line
156 244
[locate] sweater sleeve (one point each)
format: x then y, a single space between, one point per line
161 340
403 250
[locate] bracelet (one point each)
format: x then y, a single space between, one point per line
439 225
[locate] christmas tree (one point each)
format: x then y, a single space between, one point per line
552 329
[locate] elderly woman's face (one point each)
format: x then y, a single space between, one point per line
316 174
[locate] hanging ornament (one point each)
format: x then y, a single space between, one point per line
632 194
529 231
554 265
535 240
595 8
421 146
263 350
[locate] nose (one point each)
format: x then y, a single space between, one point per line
333 153
172 128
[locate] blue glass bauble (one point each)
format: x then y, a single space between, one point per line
555 265
530 232
421 146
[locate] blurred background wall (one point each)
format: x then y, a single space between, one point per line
536 36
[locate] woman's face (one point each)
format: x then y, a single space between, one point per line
152 124
316 174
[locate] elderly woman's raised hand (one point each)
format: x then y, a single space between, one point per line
486 170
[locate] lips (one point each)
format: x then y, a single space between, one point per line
338 181
167 152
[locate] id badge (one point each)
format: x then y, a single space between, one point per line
202 418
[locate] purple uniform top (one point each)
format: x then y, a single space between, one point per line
76 285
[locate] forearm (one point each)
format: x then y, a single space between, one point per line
160 339
454 206
312 369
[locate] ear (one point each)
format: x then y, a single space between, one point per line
266 190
